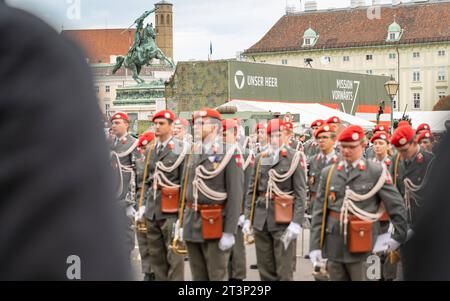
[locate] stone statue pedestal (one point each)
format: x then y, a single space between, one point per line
140 102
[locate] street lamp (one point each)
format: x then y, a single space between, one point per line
392 90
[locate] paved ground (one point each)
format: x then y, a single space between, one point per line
303 273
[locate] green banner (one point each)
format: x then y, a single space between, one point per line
264 82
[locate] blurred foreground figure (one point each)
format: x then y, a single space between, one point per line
427 255
55 181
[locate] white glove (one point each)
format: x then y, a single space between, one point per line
131 212
246 228
316 257
291 234
140 213
226 242
241 221
392 245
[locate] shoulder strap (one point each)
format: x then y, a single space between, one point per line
397 160
325 205
255 189
147 160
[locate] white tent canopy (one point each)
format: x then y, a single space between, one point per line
309 112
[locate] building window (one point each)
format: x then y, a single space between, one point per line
168 20
442 94
284 62
416 76
307 41
392 56
162 20
370 72
108 89
346 58
107 106
417 104
441 74
416 55
369 57
441 53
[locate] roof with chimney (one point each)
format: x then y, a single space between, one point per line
423 22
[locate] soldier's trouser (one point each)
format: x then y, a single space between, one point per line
207 261
237 264
144 251
166 265
274 262
347 271
130 235
294 255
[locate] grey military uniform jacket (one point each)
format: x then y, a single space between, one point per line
361 182
129 160
416 171
230 180
296 183
316 165
168 156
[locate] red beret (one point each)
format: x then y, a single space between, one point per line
317 123
261 126
288 126
207 113
380 128
352 134
274 125
334 119
424 135
423 127
326 128
146 138
403 123
228 124
181 121
166 114
119 115
380 136
402 136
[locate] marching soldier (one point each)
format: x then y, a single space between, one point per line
424 127
289 136
124 154
181 130
145 145
336 122
261 137
237 270
165 169
426 140
370 153
326 137
274 205
311 146
410 170
346 213
213 199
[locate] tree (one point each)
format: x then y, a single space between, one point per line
443 104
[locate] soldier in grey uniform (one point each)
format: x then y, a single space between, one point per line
146 147
213 199
237 270
339 232
311 147
166 170
326 137
281 176
410 169
124 154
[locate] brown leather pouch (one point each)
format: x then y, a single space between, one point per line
212 223
169 200
284 207
360 237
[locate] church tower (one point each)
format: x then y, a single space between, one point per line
164 27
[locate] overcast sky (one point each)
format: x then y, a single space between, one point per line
231 25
